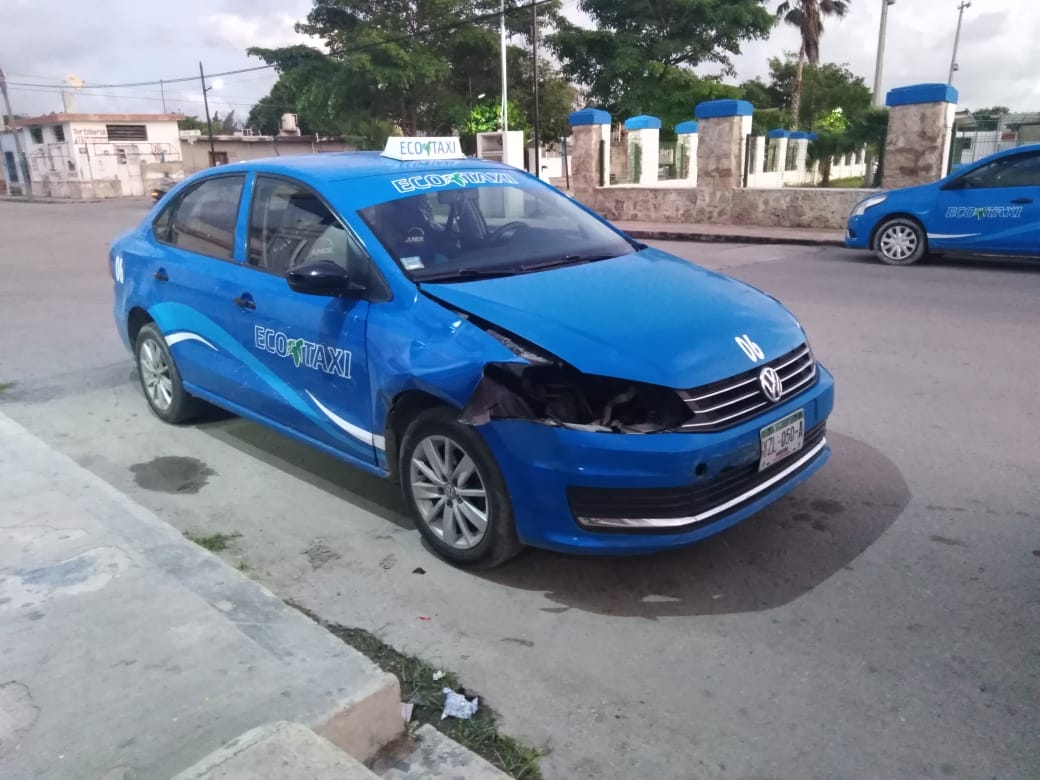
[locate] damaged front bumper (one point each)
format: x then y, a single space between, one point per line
596 492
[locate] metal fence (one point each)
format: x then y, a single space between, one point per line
674 161
978 137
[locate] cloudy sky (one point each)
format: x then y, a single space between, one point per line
115 42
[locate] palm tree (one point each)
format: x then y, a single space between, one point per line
807 16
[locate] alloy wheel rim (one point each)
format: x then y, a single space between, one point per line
899 242
155 375
449 492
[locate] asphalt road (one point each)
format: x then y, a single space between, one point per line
881 622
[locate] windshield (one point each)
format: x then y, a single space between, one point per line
479 231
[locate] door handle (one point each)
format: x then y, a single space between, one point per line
245 302
1022 200
161 275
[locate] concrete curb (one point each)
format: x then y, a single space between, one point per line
59 201
282 750
731 238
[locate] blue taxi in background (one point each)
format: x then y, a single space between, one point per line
989 207
527 372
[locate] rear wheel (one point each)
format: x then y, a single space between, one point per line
900 241
160 379
456 491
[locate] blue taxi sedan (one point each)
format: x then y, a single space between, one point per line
989 207
527 372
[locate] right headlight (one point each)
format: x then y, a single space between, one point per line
867 203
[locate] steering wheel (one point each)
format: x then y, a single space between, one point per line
500 232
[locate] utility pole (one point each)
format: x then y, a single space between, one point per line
879 62
957 38
162 90
209 122
505 99
22 170
534 64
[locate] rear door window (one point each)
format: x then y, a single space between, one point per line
203 219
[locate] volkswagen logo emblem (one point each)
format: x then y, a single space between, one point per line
771 384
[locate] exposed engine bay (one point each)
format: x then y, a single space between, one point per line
559 395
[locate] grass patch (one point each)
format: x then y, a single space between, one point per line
214 542
4 386
243 566
850 182
480 733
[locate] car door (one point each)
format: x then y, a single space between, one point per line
993 208
191 260
308 350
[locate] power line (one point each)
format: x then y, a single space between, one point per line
350 50
173 100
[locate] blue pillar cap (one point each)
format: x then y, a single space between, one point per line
714 109
589 116
778 133
643 122
921 93
800 135
686 128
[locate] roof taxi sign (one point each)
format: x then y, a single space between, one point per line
398 148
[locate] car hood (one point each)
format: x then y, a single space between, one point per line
649 317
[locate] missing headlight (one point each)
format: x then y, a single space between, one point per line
559 395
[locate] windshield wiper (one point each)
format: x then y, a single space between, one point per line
467 273
553 262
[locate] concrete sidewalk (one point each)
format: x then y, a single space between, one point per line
740 234
127 651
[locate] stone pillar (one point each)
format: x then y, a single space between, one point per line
722 125
920 128
645 132
686 136
590 140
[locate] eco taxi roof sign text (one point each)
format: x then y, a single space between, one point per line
400 148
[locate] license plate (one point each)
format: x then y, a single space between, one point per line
782 439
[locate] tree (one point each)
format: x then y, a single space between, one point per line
638 48
191 123
226 125
807 16
265 117
823 88
411 66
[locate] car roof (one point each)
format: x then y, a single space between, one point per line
327 167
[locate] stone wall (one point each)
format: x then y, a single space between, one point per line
788 207
808 207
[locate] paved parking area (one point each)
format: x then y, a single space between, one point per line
882 621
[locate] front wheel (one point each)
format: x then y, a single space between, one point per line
456 491
900 241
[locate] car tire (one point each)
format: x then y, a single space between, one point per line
451 483
161 380
900 241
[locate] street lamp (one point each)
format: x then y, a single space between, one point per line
957 38
879 62
217 84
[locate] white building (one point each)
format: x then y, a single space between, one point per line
92 155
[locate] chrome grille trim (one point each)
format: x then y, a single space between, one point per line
730 400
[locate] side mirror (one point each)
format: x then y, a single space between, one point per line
959 183
320 277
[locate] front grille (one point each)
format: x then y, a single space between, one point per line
686 501
729 402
